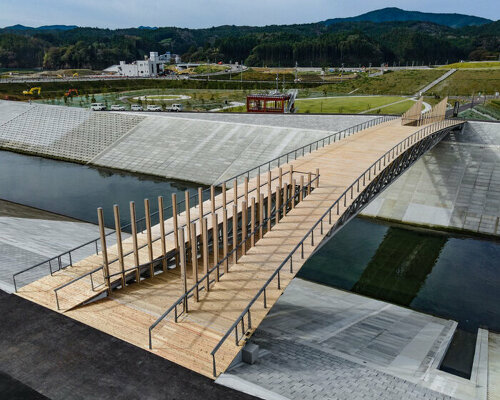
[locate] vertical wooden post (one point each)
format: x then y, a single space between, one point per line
147 216
133 225
244 217
104 249
224 197
182 259
215 240
257 196
194 260
200 204
246 190
235 233
176 228
278 195
119 244
212 198
225 238
308 183
261 215
317 176
252 223
205 251
292 192
188 218
291 175
280 177
235 191
301 188
269 200
162 233
285 198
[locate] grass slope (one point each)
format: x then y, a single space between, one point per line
468 82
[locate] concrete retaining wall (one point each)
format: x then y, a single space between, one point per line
455 185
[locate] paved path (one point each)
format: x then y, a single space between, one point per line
322 343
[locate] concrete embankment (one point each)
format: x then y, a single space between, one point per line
456 185
204 148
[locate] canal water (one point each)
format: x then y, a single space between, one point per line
443 274
77 190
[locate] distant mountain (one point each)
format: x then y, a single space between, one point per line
393 14
40 28
148 27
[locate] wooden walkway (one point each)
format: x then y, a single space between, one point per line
129 312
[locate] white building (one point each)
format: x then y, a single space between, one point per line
149 67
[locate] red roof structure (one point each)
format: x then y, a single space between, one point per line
268 103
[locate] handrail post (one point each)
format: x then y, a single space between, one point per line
133 226
161 217
147 217
119 244
104 249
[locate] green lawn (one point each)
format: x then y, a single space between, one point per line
398 108
468 82
344 105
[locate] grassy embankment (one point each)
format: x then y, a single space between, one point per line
469 82
472 64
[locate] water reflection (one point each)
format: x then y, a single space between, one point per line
438 273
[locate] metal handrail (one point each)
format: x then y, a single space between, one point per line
296 153
74 280
396 151
206 277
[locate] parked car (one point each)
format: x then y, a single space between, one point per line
175 107
136 107
117 107
153 108
97 107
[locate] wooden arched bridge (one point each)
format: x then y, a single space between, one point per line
194 292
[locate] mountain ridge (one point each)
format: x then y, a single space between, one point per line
394 14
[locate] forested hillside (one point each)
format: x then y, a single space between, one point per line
319 44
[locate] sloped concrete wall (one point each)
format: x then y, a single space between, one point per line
455 185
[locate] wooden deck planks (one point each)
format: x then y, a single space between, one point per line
128 313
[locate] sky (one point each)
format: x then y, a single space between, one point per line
207 13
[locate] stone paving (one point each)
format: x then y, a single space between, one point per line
456 184
199 150
321 343
323 122
62 132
